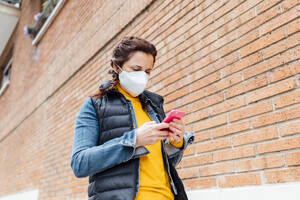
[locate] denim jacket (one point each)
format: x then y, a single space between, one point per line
88 158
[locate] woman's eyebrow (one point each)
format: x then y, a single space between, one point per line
141 67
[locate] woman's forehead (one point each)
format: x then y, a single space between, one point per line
141 59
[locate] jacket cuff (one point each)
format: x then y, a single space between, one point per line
130 138
188 138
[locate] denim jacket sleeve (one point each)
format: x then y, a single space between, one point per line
175 154
88 157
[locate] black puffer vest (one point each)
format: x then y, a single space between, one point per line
114 115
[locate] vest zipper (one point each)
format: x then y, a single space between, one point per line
165 157
164 152
168 169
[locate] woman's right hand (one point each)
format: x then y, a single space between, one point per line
150 132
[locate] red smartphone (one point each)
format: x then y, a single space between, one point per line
174 114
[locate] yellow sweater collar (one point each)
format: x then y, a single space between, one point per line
126 94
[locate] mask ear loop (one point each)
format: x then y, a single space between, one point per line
118 67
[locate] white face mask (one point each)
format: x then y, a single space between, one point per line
133 82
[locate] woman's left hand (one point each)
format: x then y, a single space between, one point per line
176 130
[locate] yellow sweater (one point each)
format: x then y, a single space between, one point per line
154 180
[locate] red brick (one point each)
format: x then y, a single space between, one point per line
272 90
175 77
242 64
248 37
274 117
213 145
174 86
255 136
200 183
211 122
287 5
235 153
258 108
279 20
293 27
267 5
295 53
246 86
212 93
227 105
292 158
196 160
240 180
196 116
207 101
282 176
242 14
279 47
202 136
279 145
188 173
263 42
285 72
259 20
205 81
270 64
290 129
216 169
177 94
231 129
287 99
192 97
259 163
190 150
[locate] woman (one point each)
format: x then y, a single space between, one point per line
119 139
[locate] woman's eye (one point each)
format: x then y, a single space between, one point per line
140 70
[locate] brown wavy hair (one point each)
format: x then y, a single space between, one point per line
122 53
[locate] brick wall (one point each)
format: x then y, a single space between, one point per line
231 65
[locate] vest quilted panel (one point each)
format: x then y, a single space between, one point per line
118 182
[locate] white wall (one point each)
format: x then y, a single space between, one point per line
27 195
286 191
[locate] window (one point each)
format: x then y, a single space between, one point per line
15 3
50 8
6 68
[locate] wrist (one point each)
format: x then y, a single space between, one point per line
137 142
